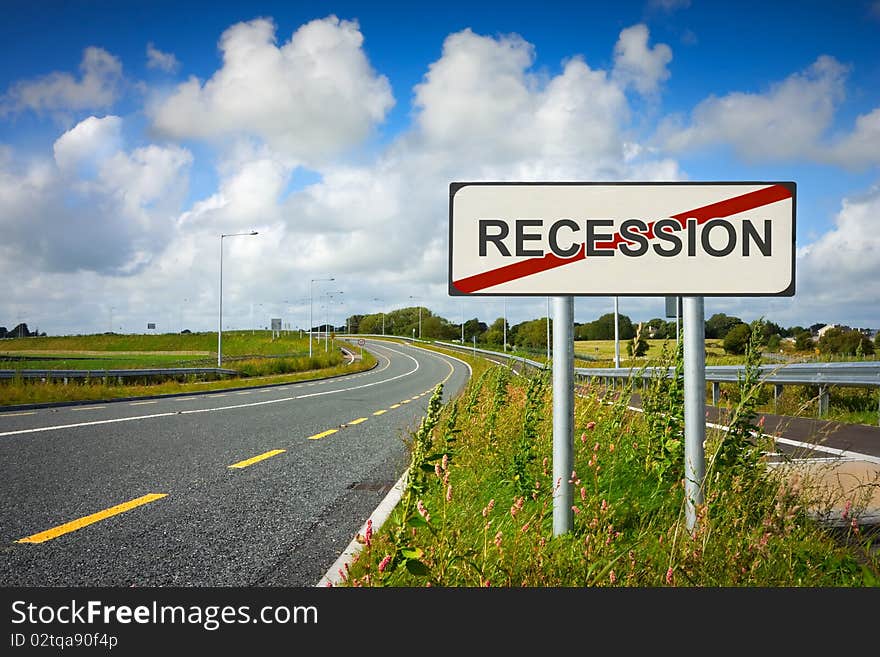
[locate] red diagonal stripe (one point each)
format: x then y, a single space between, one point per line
523 268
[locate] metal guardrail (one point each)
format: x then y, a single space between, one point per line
121 374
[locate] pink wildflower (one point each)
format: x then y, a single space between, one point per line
498 539
423 510
368 534
669 575
384 563
846 509
449 493
488 508
446 461
583 438
583 492
437 470
591 425
575 509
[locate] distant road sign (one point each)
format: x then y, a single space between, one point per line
640 239
150 325
361 342
276 324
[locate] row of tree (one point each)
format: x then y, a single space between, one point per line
532 334
20 331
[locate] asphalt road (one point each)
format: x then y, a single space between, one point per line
159 503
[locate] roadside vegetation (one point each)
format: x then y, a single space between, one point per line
258 359
477 507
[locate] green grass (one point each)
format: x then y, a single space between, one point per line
258 358
477 510
235 343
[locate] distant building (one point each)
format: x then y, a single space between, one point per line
822 331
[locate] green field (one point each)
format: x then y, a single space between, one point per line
257 357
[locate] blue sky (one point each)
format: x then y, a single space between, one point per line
133 133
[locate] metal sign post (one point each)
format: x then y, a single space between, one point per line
566 239
694 406
563 412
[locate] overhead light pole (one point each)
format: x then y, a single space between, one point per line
311 321
220 320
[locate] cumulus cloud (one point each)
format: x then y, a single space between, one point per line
60 93
786 122
314 96
859 148
88 143
97 207
636 64
163 61
840 271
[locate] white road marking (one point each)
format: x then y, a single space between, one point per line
214 410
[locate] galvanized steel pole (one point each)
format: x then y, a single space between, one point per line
563 412
616 337
694 405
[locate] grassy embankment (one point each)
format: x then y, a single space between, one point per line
477 510
258 358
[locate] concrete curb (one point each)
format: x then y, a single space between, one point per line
337 573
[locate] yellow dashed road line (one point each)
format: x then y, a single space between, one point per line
394 406
384 410
323 434
257 459
358 421
73 525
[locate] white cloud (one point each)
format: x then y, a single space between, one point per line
88 143
311 98
163 61
861 147
96 208
786 122
60 93
482 107
638 65
839 274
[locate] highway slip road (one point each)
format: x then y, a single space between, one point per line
259 487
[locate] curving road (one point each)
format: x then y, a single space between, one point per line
257 487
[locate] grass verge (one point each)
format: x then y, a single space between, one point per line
477 508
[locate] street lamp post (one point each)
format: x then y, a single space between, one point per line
505 326
220 319
311 321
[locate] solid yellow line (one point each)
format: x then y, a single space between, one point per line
394 406
322 435
257 459
73 525
384 410
358 421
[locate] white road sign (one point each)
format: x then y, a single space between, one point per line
640 239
